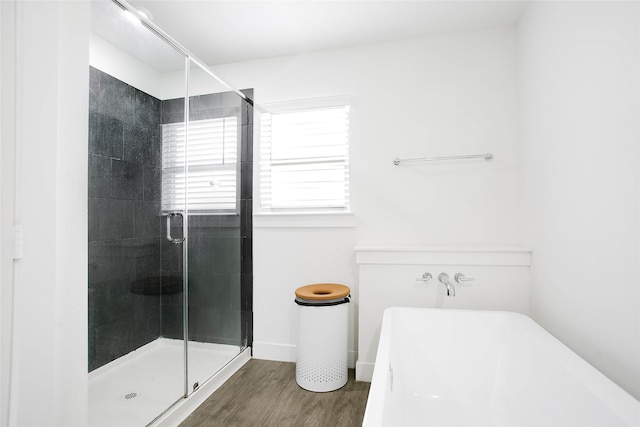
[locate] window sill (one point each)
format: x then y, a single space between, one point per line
304 220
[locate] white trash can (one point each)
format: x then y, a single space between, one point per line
323 321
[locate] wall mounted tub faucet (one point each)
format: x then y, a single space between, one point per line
444 279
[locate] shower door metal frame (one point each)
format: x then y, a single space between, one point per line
185 231
184 240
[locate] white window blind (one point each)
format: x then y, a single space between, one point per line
212 166
304 160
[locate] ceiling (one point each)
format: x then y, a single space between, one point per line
224 31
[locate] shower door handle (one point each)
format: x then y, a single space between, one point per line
169 238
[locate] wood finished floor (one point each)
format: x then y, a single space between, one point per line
265 393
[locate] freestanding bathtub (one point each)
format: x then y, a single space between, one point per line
439 367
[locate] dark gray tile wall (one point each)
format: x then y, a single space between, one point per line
246 220
125 244
135 274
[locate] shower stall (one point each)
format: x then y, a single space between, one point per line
170 220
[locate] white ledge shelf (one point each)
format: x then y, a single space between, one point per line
304 220
445 255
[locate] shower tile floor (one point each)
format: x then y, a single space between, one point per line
136 388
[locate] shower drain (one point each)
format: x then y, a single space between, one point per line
130 396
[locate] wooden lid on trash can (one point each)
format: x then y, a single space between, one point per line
323 291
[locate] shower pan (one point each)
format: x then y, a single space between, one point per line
170 196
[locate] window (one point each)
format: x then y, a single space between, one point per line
212 166
304 160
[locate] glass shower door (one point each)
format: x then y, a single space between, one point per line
214 218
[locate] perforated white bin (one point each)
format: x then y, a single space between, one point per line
322 336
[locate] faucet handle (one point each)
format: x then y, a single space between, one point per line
459 277
426 277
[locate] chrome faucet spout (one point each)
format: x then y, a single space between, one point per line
444 279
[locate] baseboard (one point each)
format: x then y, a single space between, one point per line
364 371
272 351
287 352
185 407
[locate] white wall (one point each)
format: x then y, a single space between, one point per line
285 259
579 112
200 83
117 63
49 363
444 95
7 189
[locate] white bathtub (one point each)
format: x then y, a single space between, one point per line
485 368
